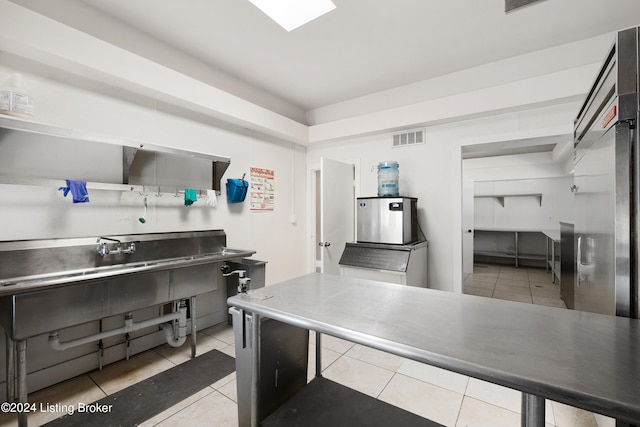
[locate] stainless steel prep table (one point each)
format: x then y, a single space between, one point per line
585 360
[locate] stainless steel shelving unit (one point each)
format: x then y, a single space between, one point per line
515 254
500 197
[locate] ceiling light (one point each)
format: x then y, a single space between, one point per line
290 14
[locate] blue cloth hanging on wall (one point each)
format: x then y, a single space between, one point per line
190 196
78 191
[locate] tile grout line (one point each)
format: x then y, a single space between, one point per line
386 384
88 374
464 396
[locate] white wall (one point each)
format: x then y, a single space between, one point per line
555 204
432 173
31 212
534 173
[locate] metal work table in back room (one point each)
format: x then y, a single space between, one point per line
581 359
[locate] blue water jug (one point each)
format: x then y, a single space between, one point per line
388 175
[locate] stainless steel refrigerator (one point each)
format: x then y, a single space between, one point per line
606 185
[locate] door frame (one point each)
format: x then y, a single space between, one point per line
458 177
313 197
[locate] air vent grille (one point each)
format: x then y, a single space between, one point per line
408 138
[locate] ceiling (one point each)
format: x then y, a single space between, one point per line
353 56
520 146
359 48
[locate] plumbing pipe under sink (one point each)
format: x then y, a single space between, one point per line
131 326
172 339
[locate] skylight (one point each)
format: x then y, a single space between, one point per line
290 14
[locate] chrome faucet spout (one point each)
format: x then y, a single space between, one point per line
103 247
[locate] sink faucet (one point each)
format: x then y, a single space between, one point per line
243 280
103 247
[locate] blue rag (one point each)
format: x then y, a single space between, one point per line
78 191
190 196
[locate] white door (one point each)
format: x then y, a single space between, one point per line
337 207
467 224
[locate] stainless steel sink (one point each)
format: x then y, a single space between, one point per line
68 282
72 276
66 261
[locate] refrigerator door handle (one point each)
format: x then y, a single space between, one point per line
579 262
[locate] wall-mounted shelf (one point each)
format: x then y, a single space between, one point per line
56 183
130 148
500 197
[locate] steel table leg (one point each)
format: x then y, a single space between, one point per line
318 354
193 326
532 411
255 368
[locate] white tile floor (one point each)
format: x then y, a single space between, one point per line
528 285
442 396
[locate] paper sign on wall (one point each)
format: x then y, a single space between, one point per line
262 189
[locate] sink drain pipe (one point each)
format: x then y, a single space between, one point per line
170 336
130 326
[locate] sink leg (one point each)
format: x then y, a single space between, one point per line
20 373
11 369
193 326
17 375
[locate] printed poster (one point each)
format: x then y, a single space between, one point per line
261 189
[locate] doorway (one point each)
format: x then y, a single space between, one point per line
510 166
333 188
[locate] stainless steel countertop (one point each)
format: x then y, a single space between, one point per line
586 360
